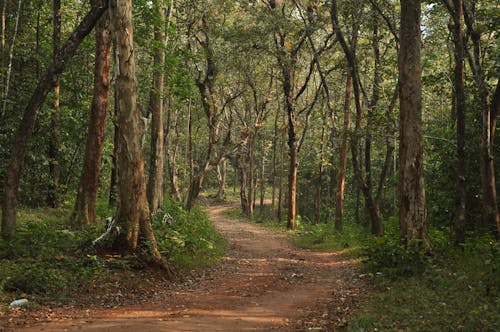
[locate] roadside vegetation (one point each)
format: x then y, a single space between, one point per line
448 289
50 262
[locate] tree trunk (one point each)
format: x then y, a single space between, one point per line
31 111
132 213
460 105
250 176
339 206
319 181
155 180
279 213
262 181
221 179
84 210
54 169
114 156
491 217
411 190
11 54
274 172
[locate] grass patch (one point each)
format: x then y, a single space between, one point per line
457 291
265 217
49 263
187 239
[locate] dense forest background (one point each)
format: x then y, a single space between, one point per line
299 108
238 51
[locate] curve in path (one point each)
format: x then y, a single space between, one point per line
262 283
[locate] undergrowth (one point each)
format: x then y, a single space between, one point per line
49 262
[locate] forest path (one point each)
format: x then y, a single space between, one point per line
262 283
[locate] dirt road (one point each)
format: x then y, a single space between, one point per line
263 283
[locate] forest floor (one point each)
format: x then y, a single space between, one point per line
262 283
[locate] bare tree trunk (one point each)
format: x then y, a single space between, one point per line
262 180
319 181
221 179
339 206
11 54
114 156
250 176
30 113
279 213
274 172
54 169
84 210
4 14
132 213
459 108
491 217
155 179
412 219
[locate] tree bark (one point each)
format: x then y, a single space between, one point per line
279 213
411 189
54 169
84 210
321 167
491 217
221 179
155 180
31 111
113 180
132 213
344 146
11 54
460 109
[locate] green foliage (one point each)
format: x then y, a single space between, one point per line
325 237
458 291
46 260
187 239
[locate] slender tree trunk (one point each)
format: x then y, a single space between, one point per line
262 181
250 176
411 187
279 213
114 156
274 172
491 217
132 213
31 111
221 179
319 181
460 108
190 143
84 210
339 206
54 169
4 14
155 179
11 55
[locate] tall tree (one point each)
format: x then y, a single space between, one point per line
456 28
55 170
341 177
489 110
156 161
84 210
11 53
132 213
19 148
411 190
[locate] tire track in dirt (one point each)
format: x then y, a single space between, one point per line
263 283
